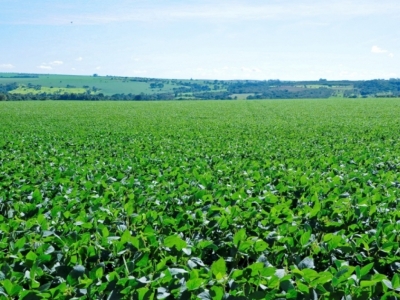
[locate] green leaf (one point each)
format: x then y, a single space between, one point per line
239 237
322 278
305 237
31 256
302 287
142 293
11 288
309 274
317 206
104 231
143 261
387 247
194 284
218 268
245 245
217 293
267 272
367 283
99 273
291 294
37 196
260 246
358 272
364 270
8 286
175 241
334 242
20 243
126 237
396 281
378 277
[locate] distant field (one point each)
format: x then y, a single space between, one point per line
51 90
294 199
107 85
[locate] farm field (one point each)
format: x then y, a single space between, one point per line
25 90
282 199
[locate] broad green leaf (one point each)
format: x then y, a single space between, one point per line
12 289
99 273
316 208
260 246
364 270
142 293
302 287
396 281
194 284
367 283
143 260
126 237
175 241
218 268
239 237
217 292
305 237
20 243
31 256
37 196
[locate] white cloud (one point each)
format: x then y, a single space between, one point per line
98 68
7 66
44 67
376 49
252 70
79 58
391 55
73 69
56 63
50 65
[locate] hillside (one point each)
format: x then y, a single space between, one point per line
16 86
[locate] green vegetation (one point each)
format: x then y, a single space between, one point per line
200 200
48 90
69 87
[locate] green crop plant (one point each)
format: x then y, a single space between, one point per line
200 200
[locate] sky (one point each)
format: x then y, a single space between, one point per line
224 39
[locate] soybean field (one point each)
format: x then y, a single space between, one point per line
278 199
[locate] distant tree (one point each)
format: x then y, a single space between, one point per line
3 97
95 75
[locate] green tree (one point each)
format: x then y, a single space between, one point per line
3 97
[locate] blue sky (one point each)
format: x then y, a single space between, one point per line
235 39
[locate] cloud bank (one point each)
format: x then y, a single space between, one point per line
7 66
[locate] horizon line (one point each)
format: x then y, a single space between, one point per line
199 79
